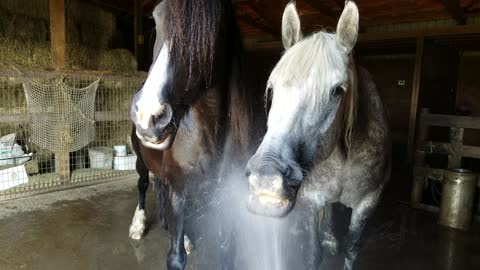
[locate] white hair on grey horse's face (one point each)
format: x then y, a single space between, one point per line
314 86
312 67
303 79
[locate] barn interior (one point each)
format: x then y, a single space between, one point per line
69 206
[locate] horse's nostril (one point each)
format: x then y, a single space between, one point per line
155 119
288 171
248 173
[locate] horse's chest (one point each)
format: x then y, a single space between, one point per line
193 151
324 182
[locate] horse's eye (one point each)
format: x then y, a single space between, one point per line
338 90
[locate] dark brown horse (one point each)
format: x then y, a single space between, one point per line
193 114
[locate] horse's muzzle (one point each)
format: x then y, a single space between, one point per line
155 130
271 192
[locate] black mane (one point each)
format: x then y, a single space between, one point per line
193 27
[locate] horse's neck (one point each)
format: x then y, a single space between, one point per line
210 112
370 111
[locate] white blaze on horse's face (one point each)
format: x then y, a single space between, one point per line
149 102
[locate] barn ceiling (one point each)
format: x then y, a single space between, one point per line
259 18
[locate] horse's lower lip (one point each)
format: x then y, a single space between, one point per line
269 206
270 199
163 139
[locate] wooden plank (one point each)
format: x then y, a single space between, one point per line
471 151
265 19
365 38
456 148
455 10
458 30
436 148
441 120
414 100
139 39
112 116
100 116
327 14
443 148
260 24
57 33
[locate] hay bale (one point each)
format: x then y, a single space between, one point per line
87 24
25 54
29 29
96 26
120 60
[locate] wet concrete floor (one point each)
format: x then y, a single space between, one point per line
87 228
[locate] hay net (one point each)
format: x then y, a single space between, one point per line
61 117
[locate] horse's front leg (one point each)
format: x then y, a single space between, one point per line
161 200
177 256
329 241
360 215
139 220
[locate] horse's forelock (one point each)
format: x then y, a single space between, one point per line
193 28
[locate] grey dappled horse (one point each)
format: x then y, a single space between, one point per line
328 140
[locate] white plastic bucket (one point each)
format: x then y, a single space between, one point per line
13 177
120 150
100 158
125 163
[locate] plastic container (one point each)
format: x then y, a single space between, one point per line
100 158
120 150
12 177
124 163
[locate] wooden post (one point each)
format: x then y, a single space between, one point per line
414 103
139 39
57 33
58 44
456 148
418 178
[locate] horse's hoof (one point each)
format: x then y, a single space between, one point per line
138 226
330 244
188 244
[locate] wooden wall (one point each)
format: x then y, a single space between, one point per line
468 92
387 71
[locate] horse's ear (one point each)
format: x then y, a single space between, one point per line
347 28
291 29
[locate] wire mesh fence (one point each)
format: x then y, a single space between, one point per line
27 168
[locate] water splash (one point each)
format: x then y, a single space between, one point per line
251 241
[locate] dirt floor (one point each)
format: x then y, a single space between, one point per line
87 228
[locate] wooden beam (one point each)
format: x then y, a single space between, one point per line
365 38
100 116
57 33
414 101
458 30
455 10
440 120
139 39
265 19
331 17
260 24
